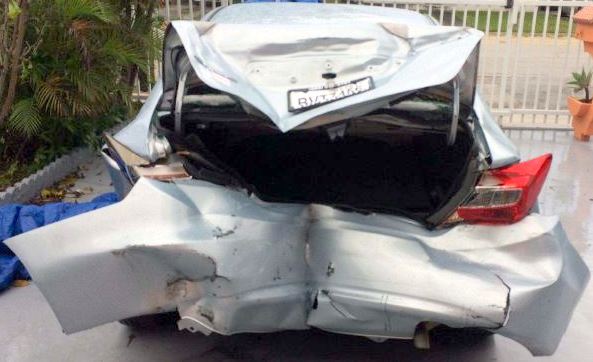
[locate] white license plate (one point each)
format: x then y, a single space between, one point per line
303 99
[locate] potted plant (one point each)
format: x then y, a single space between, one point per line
584 27
581 109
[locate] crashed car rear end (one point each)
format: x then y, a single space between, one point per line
291 171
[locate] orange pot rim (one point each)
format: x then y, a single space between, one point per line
580 100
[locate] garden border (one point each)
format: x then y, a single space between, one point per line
26 189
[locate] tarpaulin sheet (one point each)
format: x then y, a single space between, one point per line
16 219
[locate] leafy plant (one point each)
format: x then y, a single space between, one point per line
14 9
14 17
25 118
140 24
78 61
87 56
76 69
581 82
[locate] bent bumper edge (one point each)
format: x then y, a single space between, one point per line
229 264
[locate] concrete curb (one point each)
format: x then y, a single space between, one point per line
30 186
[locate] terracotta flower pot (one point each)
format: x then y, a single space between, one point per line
584 27
582 113
577 108
582 118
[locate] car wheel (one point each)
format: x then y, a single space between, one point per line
152 321
444 335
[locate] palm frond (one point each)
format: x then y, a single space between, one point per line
124 53
50 98
580 80
25 118
85 9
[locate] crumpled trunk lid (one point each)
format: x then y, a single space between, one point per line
265 64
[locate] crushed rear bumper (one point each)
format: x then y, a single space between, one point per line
230 263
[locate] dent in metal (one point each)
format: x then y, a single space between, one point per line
140 135
230 263
271 59
121 184
502 151
313 14
376 52
419 37
127 156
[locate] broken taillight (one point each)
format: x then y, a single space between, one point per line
505 195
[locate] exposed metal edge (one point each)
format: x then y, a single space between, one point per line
27 188
536 128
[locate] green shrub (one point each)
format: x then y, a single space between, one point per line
79 62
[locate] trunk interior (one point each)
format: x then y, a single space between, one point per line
358 164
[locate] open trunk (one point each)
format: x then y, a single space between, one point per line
395 159
375 121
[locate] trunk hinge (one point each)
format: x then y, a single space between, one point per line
455 117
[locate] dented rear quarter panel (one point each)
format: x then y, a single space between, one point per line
231 263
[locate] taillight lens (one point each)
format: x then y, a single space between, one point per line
505 195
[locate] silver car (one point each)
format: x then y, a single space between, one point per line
309 165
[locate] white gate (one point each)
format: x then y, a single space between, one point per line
526 56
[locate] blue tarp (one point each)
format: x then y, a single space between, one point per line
16 219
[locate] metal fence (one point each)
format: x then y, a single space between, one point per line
526 56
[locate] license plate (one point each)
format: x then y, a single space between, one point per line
303 99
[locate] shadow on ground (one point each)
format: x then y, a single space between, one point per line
317 345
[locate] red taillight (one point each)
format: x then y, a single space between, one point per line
506 194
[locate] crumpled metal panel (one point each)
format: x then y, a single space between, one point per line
370 42
502 151
231 263
137 134
292 13
271 59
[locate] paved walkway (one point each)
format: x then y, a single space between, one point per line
95 181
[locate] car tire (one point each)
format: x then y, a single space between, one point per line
446 336
152 321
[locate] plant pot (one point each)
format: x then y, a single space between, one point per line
584 27
577 108
582 118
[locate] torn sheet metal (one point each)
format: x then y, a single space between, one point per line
231 263
502 151
274 58
136 136
163 172
140 135
261 67
314 14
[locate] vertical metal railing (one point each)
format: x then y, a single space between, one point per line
526 56
546 54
